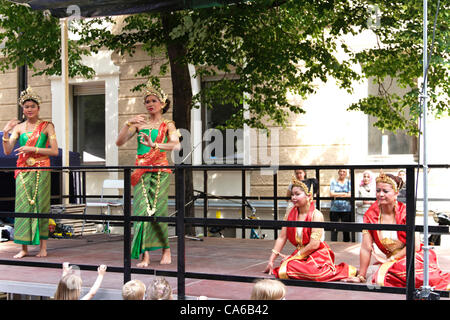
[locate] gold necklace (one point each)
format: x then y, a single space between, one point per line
27 132
155 125
151 211
31 201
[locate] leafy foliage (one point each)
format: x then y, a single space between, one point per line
259 51
31 36
399 55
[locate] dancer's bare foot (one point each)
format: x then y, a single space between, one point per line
42 253
143 264
21 254
145 260
167 257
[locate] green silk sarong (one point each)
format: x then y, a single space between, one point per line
29 231
150 236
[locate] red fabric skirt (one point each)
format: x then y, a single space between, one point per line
318 266
393 274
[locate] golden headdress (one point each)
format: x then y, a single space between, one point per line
384 178
150 90
301 184
29 94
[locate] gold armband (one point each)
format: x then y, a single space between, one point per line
316 235
365 231
53 137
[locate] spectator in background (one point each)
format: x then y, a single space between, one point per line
133 290
340 209
402 192
366 190
268 289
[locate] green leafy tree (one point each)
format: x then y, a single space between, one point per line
262 43
399 55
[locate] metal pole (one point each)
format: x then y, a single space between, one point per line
426 287
65 82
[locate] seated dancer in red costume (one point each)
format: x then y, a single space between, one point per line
392 270
312 259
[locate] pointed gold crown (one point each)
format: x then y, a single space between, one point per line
29 94
150 90
383 178
298 183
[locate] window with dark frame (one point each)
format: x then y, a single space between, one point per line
231 151
89 123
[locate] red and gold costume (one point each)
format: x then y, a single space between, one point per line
33 159
152 158
318 265
393 273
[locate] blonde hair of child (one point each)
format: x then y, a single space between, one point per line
69 288
268 289
133 290
159 289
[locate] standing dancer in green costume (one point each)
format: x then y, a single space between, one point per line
37 141
156 136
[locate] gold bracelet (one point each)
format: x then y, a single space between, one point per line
127 123
275 252
37 150
156 146
3 138
300 256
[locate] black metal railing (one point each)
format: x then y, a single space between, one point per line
181 221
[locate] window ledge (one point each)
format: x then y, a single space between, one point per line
392 159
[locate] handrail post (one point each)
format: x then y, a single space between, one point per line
275 202
244 199
180 229
410 223
205 201
318 189
352 199
127 226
